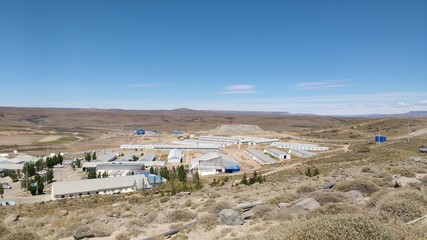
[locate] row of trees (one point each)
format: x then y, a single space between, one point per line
89 157
254 178
177 179
91 174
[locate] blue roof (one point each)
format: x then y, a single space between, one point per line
151 177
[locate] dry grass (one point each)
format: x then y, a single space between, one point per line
283 198
341 226
329 196
305 189
218 206
180 215
264 209
400 204
208 221
404 172
364 186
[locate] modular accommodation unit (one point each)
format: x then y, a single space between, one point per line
203 143
137 146
278 154
259 156
301 153
302 146
185 147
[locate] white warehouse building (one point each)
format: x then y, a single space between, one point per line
301 153
302 146
87 187
214 163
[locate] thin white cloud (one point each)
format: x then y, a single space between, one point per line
424 102
239 89
322 85
401 105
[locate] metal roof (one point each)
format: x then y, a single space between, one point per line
260 156
213 160
97 184
278 152
175 153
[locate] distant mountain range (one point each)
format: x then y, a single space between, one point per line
379 115
192 112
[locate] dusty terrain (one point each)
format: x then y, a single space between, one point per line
380 208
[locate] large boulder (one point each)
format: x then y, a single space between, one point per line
356 195
83 233
308 204
405 182
231 217
330 185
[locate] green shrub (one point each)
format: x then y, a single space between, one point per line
341 226
311 172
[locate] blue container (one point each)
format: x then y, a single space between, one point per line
380 139
140 131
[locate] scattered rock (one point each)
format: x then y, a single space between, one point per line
11 217
405 182
355 194
308 204
248 215
181 194
81 234
231 217
126 214
283 205
330 185
63 212
249 205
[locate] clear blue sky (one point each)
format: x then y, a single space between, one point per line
322 57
